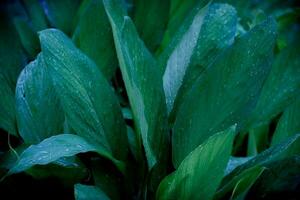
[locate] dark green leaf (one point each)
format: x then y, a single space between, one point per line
11 61
39 114
93 35
201 172
226 92
151 18
289 123
280 177
88 192
61 13
285 149
88 100
143 84
281 87
238 187
36 14
234 162
28 37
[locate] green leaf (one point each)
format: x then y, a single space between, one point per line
179 11
68 170
281 87
11 62
196 45
107 178
142 82
61 14
281 177
286 149
238 187
151 18
50 150
39 114
258 139
88 100
226 92
36 14
88 192
288 124
201 172
28 37
93 36
7 106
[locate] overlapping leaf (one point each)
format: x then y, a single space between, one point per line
281 87
142 82
39 114
227 91
201 172
200 40
87 98
155 13
93 35
11 61
288 124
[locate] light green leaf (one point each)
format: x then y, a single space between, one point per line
93 36
88 192
151 18
142 82
257 139
39 114
61 14
194 47
201 172
289 123
281 87
226 92
50 150
240 185
88 100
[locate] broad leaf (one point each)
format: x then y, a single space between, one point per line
39 114
50 150
93 35
88 192
151 18
142 82
288 124
196 45
226 92
201 172
88 100
281 87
